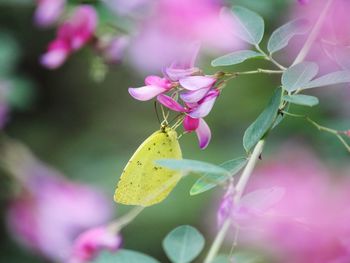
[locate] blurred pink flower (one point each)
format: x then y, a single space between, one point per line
185 82
173 24
72 35
48 12
91 242
310 224
331 49
127 7
113 48
50 211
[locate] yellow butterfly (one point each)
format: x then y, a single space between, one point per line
143 182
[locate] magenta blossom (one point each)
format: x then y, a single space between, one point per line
48 12
91 242
72 35
49 212
183 89
310 222
170 25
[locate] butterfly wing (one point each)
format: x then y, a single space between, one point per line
143 182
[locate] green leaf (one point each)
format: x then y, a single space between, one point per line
235 58
333 78
299 75
304 100
263 123
21 94
124 256
183 244
210 180
192 166
250 26
282 35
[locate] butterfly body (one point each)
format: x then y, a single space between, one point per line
143 182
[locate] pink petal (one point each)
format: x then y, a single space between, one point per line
196 82
203 134
170 103
158 81
194 96
190 124
205 105
263 199
176 74
54 58
91 242
146 92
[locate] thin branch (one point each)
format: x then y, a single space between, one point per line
248 170
270 58
313 35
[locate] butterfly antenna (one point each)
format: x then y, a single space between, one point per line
157 114
165 115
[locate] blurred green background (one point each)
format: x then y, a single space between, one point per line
89 130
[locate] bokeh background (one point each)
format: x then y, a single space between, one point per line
88 129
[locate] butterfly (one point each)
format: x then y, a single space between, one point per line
143 182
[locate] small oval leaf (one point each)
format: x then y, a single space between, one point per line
263 123
304 100
338 77
183 244
250 26
299 75
210 180
235 58
194 166
124 256
282 35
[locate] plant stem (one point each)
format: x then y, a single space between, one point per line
260 70
313 35
270 58
126 219
248 170
321 128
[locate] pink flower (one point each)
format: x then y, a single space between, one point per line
310 223
197 93
89 243
347 133
171 24
113 49
331 48
49 212
71 36
48 12
154 86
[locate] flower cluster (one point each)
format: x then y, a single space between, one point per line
72 35
91 242
183 82
50 212
294 209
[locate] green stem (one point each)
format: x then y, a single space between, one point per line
126 219
247 172
260 70
270 58
320 128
